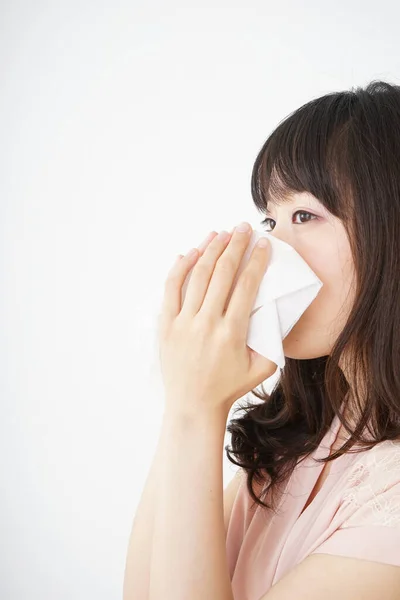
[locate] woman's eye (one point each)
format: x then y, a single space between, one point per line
298 212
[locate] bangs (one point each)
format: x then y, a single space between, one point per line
308 152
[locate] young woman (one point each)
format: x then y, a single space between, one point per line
314 511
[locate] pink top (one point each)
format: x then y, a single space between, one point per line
356 513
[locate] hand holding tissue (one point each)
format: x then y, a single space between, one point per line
204 356
286 291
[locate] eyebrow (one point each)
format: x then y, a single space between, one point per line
279 201
286 198
283 198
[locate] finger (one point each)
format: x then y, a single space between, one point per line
172 300
245 292
202 274
202 247
225 273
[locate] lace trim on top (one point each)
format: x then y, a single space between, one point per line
373 492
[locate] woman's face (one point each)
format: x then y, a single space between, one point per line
321 240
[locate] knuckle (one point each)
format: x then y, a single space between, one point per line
225 264
202 329
232 337
202 267
180 323
227 334
248 278
172 280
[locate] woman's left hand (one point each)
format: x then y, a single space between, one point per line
205 362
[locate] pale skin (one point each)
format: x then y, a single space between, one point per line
201 346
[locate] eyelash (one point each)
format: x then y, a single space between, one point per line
304 212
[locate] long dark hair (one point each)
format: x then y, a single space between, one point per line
344 148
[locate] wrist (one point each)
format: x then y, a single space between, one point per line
196 418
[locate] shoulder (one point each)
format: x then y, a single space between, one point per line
366 523
371 491
360 557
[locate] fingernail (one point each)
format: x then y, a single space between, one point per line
243 227
223 235
207 240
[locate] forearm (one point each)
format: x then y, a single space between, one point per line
189 556
137 567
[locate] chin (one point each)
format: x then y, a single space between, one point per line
303 346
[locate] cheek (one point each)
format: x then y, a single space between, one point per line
325 265
336 271
327 251
331 260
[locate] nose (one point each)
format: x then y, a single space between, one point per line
283 235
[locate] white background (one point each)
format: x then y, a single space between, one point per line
128 131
